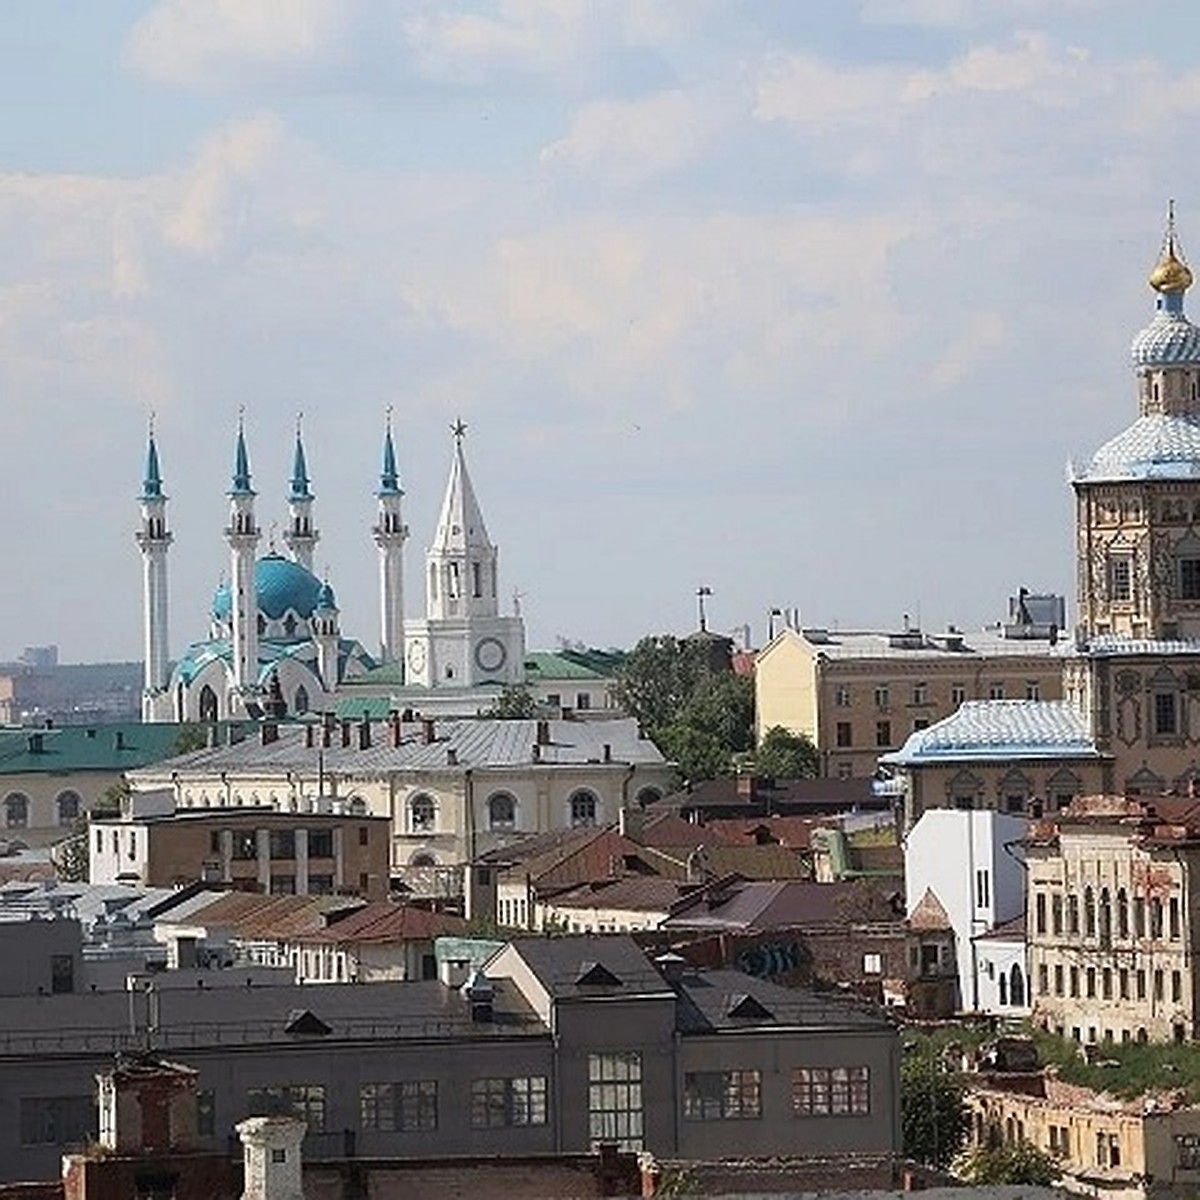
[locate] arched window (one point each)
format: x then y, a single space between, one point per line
300 703
1003 982
1122 915
647 796
69 807
502 811
583 808
1089 912
1016 987
422 813
422 859
1105 918
16 810
208 704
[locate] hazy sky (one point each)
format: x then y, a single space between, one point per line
806 302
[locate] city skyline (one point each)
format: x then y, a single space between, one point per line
728 296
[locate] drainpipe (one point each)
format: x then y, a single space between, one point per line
469 803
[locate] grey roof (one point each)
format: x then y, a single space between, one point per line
1111 646
994 730
709 1001
1158 446
559 962
476 743
940 647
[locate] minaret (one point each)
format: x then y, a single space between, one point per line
390 535
301 536
462 561
154 539
327 636
243 536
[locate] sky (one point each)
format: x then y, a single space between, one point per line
806 303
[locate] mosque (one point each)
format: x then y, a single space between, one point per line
275 644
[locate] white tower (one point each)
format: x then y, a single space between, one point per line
390 535
243 536
301 536
154 539
327 635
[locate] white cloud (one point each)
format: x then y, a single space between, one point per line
202 41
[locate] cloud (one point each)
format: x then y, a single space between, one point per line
205 41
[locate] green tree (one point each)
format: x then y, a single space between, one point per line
933 1112
109 803
515 703
699 717
71 856
191 737
1021 1163
786 755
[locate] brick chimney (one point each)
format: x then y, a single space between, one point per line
310 736
147 1105
747 787
395 730
364 734
543 733
270 732
271 1154
347 731
428 733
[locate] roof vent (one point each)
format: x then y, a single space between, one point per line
818 637
594 974
745 1008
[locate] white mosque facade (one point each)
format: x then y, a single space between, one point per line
275 645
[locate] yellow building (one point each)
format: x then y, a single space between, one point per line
858 695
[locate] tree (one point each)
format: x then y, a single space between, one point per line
1019 1163
191 737
515 703
786 755
933 1113
697 716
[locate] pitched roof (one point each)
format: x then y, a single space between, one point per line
385 921
632 893
793 832
1012 930
929 914
255 915
745 905
559 962
772 795
67 748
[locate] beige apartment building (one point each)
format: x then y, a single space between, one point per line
1113 910
858 695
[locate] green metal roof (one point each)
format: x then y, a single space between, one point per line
572 664
68 748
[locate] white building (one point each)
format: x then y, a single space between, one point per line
973 863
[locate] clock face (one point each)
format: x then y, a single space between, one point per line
416 656
490 654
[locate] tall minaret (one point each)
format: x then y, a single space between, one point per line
154 539
243 536
301 536
462 561
390 535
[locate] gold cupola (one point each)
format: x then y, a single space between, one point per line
1171 273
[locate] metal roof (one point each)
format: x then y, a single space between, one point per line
67 748
1000 730
915 644
1158 446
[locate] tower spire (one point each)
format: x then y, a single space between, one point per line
390 534
154 540
242 535
389 477
300 489
301 535
241 461
1171 276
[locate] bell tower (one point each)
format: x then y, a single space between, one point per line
1138 500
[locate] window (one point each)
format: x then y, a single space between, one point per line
320 843
245 845
1156 918
1033 689
476 580
883 733
920 723
1074 978
1122 915
1123 983
422 813
1189 579
920 693
1120 579
881 696
283 843
283 885
1039 910
69 807
16 810
1056 914
583 701
1089 912
1176 987
615 1099
305 1100
1073 914
62 974
1139 980
1166 721
496 1103
320 885
1187 1151
996 691
982 889
722 1096
1139 917
1106 984
502 811
1043 979
958 694
831 1091
844 735
1058 979
398 1107
1090 977
206 1113
872 964
841 697
300 703
583 809
1173 918
1158 986
57 1120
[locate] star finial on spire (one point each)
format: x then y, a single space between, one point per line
459 429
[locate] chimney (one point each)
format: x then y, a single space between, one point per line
270 732
147 1106
310 736
364 734
536 751
408 716
451 757
119 740
347 730
747 787
671 966
631 822
543 733
428 736
271 1153
480 994
36 743
606 752
394 729
326 735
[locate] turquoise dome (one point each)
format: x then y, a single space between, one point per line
282 586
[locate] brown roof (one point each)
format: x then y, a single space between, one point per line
641 893
746 905
387 921
775 795
1012 930
794 832
755 862
929 914
255 915
668 830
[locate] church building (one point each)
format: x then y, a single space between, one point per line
275 645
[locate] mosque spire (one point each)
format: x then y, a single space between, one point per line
300 486
301 535
152 483
390 533
389 477
154 540
241 462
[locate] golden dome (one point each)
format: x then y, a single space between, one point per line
1171 274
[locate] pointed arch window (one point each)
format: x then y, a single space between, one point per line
300 703
1016 987
208 704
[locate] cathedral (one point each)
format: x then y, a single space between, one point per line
275 645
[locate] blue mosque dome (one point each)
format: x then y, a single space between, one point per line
282 586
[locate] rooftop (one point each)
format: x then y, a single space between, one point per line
67 748
917 644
